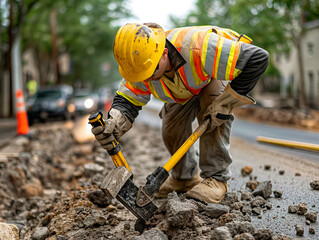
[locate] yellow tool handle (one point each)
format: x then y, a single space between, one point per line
287 143
96 119
186 145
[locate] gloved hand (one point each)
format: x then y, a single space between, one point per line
115 126
220 110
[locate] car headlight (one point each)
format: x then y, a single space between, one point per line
61 103
88 103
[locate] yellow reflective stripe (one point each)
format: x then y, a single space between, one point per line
197 80
175 36
167 94
131 99
230 60
204 52
219 51
236 72
248 38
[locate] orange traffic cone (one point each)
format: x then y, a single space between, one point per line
22 118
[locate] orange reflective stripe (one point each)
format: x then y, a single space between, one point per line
180 100
224 34
183 77
180 37
196 54
136 90
244 38
236 54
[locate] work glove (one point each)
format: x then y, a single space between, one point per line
220 110
115 126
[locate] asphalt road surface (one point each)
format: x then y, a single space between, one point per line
249 131
300 168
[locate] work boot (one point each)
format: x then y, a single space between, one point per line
210 190
171 184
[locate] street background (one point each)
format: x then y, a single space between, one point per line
59 54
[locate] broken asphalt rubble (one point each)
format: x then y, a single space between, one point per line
52 193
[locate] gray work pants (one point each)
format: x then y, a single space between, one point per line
214 157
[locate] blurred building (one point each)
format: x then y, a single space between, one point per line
31 68
287 64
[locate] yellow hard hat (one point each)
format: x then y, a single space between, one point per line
138 49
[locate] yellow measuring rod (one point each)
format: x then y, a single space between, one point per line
288 143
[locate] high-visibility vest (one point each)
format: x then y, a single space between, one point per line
210 52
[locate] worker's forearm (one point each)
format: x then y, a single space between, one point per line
253 70
126 107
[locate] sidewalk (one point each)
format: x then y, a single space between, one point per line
8 130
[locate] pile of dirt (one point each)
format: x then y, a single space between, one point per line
300 118
50 190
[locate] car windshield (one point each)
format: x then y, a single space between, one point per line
82 94
49 94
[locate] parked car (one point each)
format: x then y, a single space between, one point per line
86 101
105 98
51 102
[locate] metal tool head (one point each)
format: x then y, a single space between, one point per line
118 184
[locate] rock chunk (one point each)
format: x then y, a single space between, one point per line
216 210
9 231
244 236
99 198
221 233
246 196
252 184
312 230
239 227
230 198
257 202
292 209
40 233
277 194
263 234
267 167
245 171
264 189
281 172
179 213
152 234
315 184
302 209
311 216
299 230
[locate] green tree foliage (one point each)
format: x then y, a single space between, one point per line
85 30
273 24
259 19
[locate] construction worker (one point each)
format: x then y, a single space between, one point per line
186 68
32 87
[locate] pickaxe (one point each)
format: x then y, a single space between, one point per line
119 181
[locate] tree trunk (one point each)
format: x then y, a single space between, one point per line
8 60
55 47
302 96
